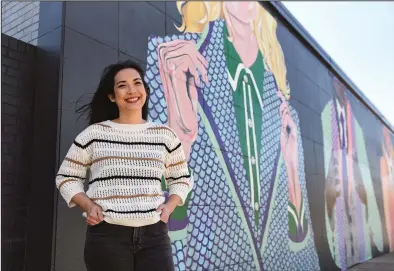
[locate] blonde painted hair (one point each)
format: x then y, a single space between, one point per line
197 14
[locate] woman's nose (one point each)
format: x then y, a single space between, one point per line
131 90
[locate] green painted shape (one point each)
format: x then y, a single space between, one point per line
178 235
180 212
163 184
294 210
292 224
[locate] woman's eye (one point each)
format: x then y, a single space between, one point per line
121 86
138 83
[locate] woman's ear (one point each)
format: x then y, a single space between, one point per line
111 97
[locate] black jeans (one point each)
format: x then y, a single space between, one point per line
111 247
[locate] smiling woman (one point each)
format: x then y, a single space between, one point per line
127 156
124 78
129 92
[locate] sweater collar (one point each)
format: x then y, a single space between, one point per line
141 126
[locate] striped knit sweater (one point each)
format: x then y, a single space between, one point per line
126 163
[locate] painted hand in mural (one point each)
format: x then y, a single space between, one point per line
180 64
289 148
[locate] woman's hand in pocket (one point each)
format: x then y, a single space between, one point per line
94 214
166 210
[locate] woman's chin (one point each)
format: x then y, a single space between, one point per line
133 107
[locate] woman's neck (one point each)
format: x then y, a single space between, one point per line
244 40
129 118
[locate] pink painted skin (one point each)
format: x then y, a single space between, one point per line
289 148
239 17
180 56
244 11
175 59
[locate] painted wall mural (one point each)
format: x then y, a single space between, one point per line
387 175
221 85
292 170
352 218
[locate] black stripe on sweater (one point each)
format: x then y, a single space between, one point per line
130 212
124 143
124 177
177 178
176 148
71 176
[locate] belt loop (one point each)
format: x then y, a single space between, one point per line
135 238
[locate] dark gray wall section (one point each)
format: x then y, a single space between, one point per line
51 18
17 101
84 59
34 74
45 139
138 20
99 23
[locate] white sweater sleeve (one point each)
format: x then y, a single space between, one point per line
72 172
177 176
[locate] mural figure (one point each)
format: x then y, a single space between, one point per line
221 85
352 217
387 174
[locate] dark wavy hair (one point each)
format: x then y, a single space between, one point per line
100 107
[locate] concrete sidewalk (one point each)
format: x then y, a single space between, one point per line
382 263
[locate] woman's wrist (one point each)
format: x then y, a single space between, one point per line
83 201
174 201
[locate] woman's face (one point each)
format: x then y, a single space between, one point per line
243 11
129 90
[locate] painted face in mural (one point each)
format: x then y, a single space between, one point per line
245 12
129 91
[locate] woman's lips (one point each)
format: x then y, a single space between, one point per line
132 100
